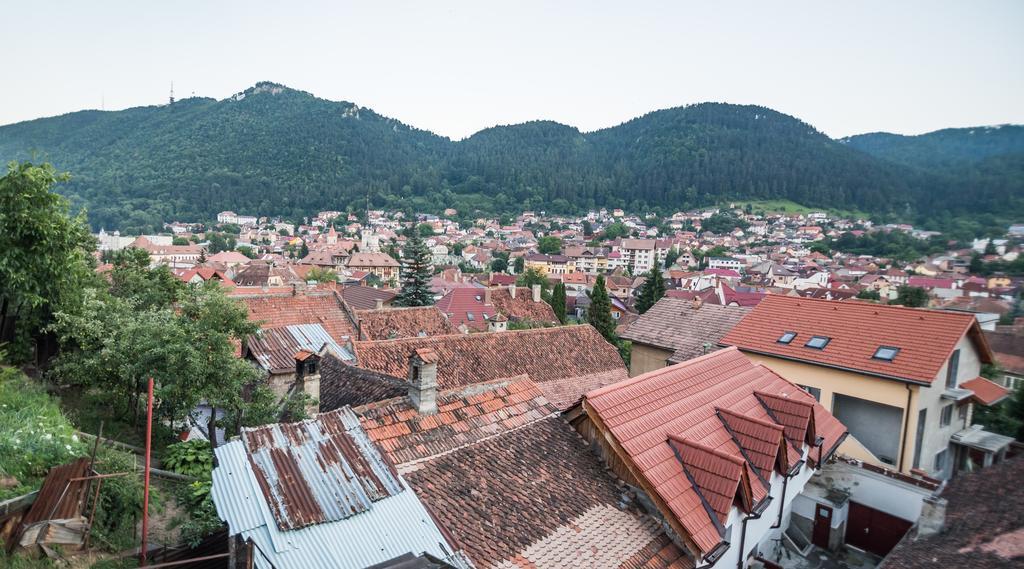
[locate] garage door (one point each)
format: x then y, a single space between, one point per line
874 531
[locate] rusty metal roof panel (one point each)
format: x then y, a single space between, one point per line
60 498
319 470
275 348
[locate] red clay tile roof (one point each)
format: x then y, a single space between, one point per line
674 324
564 361
985 391
391 323
522 307
464 416
926 338
717 475
1008 348
537 496
466 306
312 308
684 401
984 527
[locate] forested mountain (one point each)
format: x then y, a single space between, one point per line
942 148
276 151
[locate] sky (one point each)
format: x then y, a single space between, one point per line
455 67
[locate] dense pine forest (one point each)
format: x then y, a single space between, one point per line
276 151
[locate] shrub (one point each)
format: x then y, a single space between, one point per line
191 458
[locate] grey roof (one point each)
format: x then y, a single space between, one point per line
977 437
275 348
320 494
674 324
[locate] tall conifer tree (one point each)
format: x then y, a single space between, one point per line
599 315
415 274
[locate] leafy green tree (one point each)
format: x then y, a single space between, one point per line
304 251
425 230
651 291
499 265
558 302
549 245
588 228
599 314
132 278
912 296
615 230
519 265
416 273
723 223
45 259
321 275
1005 417
179 241
671 256
533 276
869 294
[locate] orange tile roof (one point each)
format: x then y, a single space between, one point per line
925 338
714 403
391 323
985 391
320 308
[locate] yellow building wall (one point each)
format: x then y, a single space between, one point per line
643 359
832 381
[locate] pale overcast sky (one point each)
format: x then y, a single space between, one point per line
456 67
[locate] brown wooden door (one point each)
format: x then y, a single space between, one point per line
822 526
874 531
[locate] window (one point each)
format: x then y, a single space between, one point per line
922 415
470 317
786 338
962 412
947 416
940 460
616 314
817 342
951 370
886 353
813 391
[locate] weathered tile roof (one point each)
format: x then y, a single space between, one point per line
467 306
925 338
274 349
371 259
365 297
464 416
1008 348
536 496
985 391
318 470
522 307
322 308
674 324
564 361
342 384
984 527
391 323
690 430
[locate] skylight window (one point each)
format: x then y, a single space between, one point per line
886 353
787 337
817 342
470 317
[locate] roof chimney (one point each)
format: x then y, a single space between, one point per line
697 302
423 380
378 304
933 516
536 293
512 290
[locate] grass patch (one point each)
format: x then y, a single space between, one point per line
791 207
35 435
87 407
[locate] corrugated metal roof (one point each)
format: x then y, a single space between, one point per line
394 524
319 470
274 349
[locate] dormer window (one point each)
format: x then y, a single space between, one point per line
886 353
817 342
786 337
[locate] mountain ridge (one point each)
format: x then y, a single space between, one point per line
275 150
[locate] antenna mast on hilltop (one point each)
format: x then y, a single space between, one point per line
172 94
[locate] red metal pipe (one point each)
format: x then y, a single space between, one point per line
145 491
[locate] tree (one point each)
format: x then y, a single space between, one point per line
990 248
304 251
519 265
549 245
425 230
321 275
179 241
45 254
912 296
651 291
499 265
588 228
615 230
558 302
599 314
1005 417
533 276
133 279
671 256
415 274
869 294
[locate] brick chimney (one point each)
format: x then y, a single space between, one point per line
512 290
423 380
378 304
536 293
697 302
933 516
